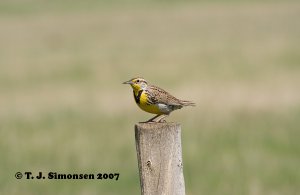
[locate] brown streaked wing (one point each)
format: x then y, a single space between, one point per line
158 95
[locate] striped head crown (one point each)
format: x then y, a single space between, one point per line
137 83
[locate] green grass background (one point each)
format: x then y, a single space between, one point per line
63 108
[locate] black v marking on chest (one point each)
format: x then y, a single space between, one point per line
138 96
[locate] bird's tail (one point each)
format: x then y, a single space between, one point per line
187 103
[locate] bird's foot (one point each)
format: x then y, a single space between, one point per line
157 119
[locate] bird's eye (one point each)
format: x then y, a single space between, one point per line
138 81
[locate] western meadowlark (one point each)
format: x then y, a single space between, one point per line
155 100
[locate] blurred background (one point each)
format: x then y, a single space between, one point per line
63 107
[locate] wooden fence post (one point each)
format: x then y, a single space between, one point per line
159 154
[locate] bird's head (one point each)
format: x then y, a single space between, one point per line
137 83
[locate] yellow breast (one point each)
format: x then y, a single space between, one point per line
152 108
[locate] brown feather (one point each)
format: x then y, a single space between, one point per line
158 95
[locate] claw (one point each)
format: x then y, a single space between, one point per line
162 121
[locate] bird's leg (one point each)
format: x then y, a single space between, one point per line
152 119
160 119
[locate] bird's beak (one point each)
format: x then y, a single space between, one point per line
128 82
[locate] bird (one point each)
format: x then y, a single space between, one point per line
155 100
